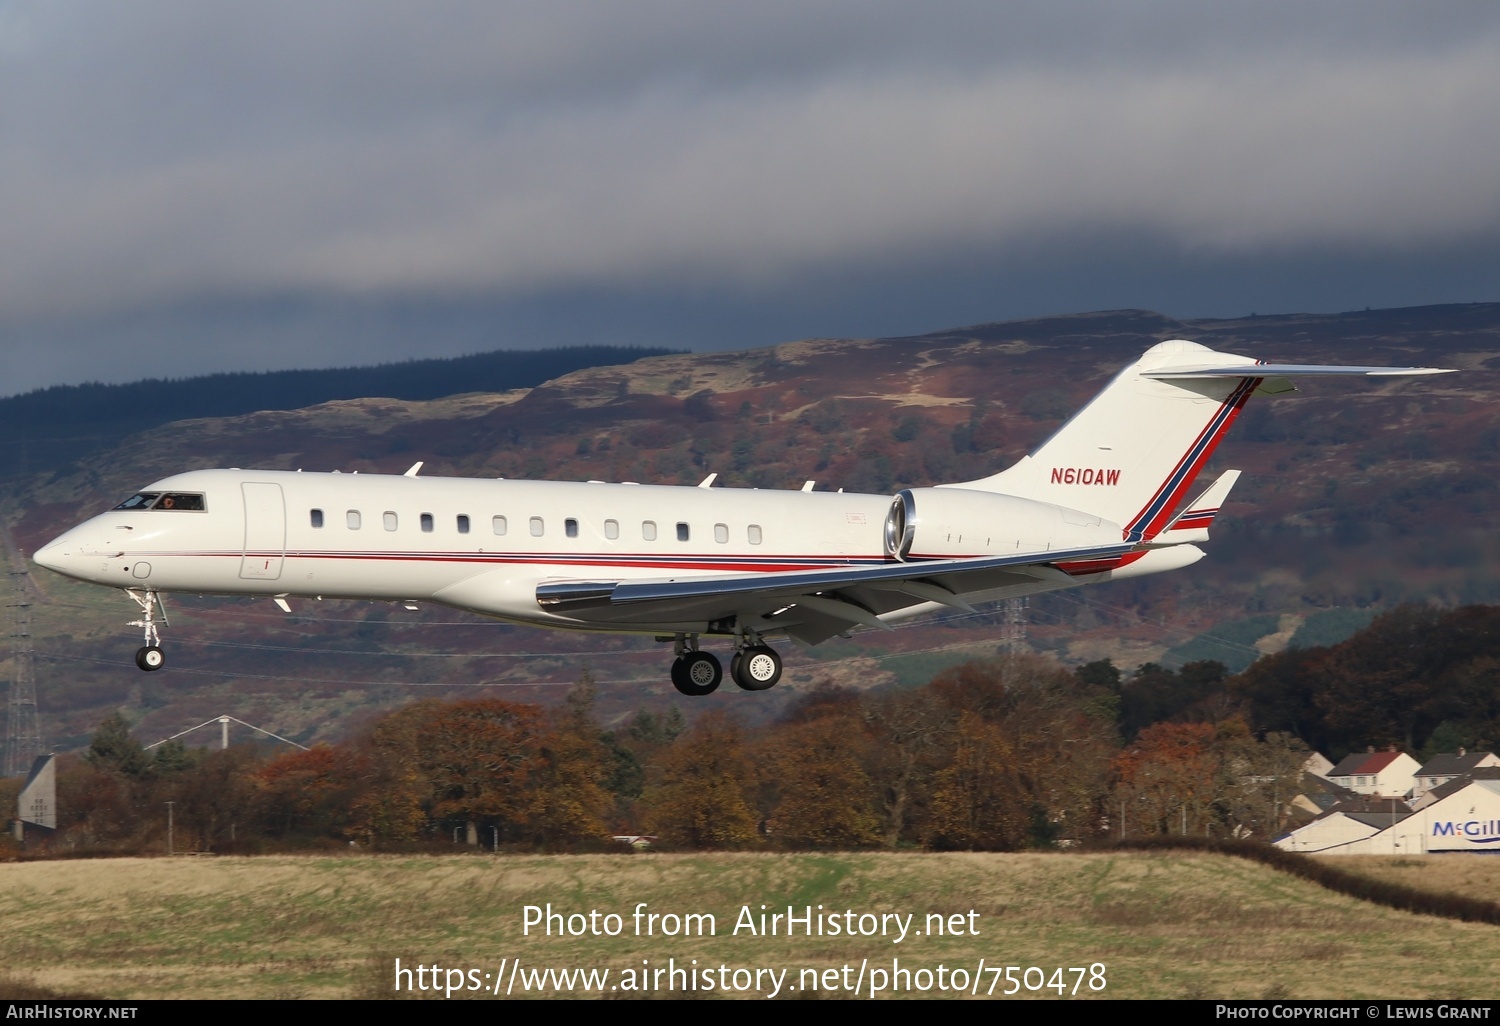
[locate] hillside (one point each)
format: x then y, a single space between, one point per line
54 425
1354 496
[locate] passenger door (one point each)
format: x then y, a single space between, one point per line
265 531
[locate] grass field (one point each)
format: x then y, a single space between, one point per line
1162 925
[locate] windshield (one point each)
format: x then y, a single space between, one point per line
179 501
140 500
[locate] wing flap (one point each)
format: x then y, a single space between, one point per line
802 582
825 602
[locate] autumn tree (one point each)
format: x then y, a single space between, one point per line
467 762
977 801
309 793
906 733
1397 681
1058 729
1262 775
95 806
702 800
1169 779
569 798
823 798
218 797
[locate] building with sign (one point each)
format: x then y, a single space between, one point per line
1462 815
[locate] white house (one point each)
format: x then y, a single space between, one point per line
1318 765
1440 769
1377 774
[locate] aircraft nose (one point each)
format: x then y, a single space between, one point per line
53 555
65 553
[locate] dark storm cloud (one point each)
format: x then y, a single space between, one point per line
162 157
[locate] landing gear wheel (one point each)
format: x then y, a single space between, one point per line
697 673
153 618
756 668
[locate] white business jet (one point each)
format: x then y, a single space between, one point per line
1103 499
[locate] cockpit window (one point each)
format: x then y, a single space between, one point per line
175 501
192 501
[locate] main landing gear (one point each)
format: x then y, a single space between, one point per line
153 616
753 667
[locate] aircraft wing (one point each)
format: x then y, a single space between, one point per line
809 605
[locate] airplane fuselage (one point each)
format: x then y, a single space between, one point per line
476 544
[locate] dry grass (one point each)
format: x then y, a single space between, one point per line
1165 925
1473 876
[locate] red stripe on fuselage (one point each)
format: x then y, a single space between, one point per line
721 565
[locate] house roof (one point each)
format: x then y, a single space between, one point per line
1348 765
1363 762
1448 764
1379 820
1484 773
1376 812
1324 792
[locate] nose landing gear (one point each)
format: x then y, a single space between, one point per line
153 615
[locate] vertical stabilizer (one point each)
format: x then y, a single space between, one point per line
1134 451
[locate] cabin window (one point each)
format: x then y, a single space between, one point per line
682 532
570 527
427 523
390 520
463 523
537 527
315 517
351 518
721 534
648 530
611 529
752 533
497 524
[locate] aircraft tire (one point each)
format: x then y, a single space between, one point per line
150 657
756 669
697 674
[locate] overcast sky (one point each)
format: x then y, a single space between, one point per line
190 186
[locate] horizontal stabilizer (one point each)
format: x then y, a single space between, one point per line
1287 370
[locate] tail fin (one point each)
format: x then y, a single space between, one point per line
1134 451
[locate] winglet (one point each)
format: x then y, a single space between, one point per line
414 468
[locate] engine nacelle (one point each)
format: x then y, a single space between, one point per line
953 522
